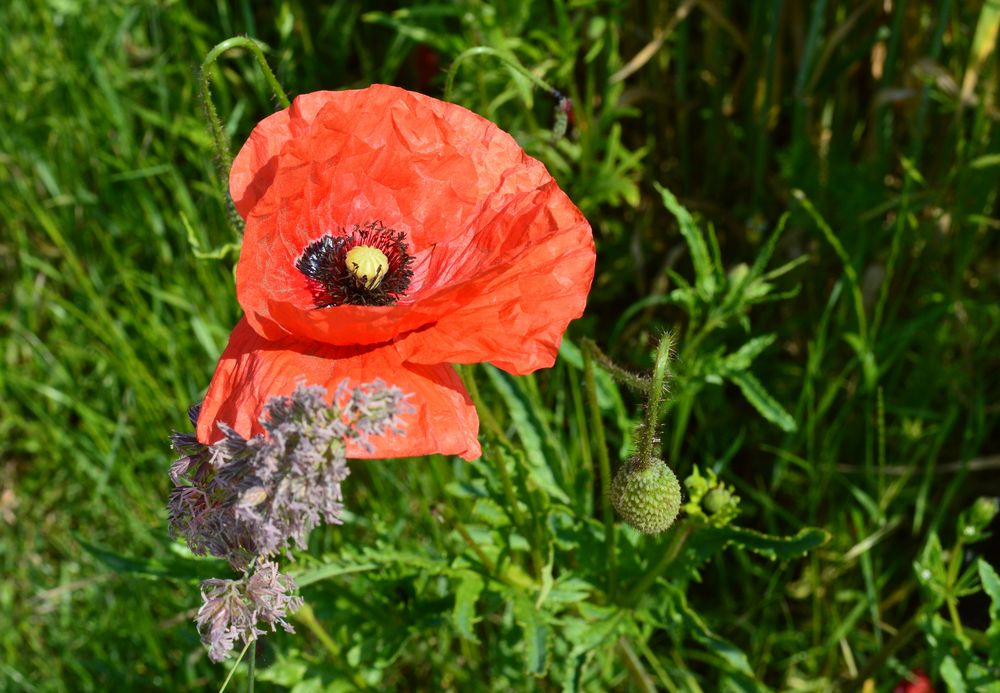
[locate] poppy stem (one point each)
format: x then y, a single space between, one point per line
636 382
605 467
223 154
503 57
661 375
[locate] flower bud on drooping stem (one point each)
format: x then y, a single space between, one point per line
645 491
646 495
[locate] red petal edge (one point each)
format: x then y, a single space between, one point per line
252 369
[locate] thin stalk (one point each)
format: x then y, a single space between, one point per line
632 380
586 457
252 665
483 558
647 580
508 492
605 467
223 154
508 60
954 566
485 414
903 636
916 150
661 374
637 672
236 666
307 617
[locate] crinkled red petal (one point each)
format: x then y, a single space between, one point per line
498 248
252 369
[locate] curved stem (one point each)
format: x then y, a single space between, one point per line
629 379
647 580
223 154
508 60
661 374
257 49
605 465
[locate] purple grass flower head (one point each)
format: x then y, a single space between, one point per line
240 498
234 610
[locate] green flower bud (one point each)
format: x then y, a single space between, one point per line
646 496
983 512
716 499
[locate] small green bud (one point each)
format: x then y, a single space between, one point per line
983 512
716 499
646 496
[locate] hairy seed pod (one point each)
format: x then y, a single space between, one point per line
647 496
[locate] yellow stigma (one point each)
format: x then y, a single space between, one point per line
368 265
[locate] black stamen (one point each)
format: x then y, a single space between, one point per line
324 261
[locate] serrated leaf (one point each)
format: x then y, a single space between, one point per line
532 432
490 512
570 591
586 634
720 647
536 636
700 258
742 358
470 586
710 540
768 407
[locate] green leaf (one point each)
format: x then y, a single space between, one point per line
700 258
762 401
532 432
952 675
991 585
931 570
171 566
490 512
334 569
470 586
710 540
742 358
720 647
569 590
536 636
586 634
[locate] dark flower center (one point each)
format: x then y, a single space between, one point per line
370 266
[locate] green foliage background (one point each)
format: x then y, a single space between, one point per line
843 374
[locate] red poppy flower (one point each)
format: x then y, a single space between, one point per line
388 235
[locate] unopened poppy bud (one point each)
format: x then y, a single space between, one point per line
716 499
646 495
367 264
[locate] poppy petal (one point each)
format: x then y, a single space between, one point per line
256 163
252 369
474 208
514 315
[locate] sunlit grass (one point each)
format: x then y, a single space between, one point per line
882 336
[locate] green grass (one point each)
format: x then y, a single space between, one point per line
843 374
